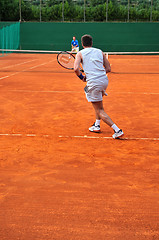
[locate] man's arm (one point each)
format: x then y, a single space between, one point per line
106 64
77 62
77 44
72 44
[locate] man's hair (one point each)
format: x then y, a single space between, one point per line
87 40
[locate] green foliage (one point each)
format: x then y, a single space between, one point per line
95 10
27 12
9 10
96 2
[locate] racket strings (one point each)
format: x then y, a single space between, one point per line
66 60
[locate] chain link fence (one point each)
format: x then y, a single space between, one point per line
85 10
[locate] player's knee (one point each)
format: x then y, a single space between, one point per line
102 114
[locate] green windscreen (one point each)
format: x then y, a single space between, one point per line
109 37
9 37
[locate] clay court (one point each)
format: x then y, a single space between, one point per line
58 180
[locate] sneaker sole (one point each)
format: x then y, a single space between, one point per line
95 131
119 136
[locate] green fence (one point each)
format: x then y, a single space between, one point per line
110 37
9 36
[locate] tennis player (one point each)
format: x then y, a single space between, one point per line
75 46
95 65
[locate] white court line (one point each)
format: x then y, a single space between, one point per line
81 137
18 64
23 135
25 70
54 91
135 93
32 91
123 138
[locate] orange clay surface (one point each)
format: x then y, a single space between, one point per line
58 181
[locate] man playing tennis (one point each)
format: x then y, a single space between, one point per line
74 44
95 65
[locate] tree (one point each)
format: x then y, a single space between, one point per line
74 10
9 10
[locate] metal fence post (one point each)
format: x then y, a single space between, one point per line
128 9
151 11
20 10
106 10
63 10
40 10
84 10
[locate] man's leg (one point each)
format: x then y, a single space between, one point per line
101 114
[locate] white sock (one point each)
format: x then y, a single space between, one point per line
97 122
115 128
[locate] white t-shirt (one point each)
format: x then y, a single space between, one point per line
93 66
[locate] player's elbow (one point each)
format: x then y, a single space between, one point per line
108 69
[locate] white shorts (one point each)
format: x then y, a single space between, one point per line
75 49
95 94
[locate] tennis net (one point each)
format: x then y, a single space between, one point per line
46 61
115 58
9 37
12 50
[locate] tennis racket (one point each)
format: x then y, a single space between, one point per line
66 60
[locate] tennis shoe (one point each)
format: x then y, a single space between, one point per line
95 128
118 134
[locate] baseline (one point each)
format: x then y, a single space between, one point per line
56 91
80 136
